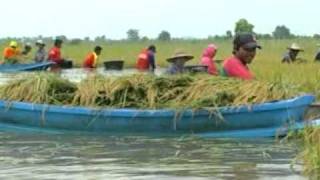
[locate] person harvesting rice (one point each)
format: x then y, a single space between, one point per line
244 51
146 59
208 59
92 58
55 56
41 53
317 57
11 53
292 55
177 62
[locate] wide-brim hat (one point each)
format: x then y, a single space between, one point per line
180 55
295 47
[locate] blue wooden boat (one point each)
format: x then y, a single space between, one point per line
25 67
261 120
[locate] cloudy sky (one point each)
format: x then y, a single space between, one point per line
182 18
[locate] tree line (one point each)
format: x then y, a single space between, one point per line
241 26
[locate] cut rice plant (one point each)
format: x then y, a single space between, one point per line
145 91
39 88
178 92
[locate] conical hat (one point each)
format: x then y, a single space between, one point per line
180 55
295 46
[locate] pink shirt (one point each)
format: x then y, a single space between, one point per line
233 67
211 66
208 59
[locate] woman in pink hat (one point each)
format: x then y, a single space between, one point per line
208 59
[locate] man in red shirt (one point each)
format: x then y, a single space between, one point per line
244 51
91 59
55 52
146 59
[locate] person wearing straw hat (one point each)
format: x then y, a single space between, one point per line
41 53
317 58
244 51
11 53
177 62
291 55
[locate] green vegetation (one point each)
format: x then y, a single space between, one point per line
310 155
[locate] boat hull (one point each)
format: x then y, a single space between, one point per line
25 67
268 115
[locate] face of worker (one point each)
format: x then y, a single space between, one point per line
59 45
246 55
180 62
98 52
294 53
40 46
28 49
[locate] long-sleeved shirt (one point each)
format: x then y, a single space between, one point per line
55 55
233 67
91 60
40 55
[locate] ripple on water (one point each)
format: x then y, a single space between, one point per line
69 156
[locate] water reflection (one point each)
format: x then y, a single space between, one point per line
71 156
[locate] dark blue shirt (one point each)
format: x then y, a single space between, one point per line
152 61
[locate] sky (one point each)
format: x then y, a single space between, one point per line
182 18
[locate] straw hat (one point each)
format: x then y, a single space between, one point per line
180 55
296 47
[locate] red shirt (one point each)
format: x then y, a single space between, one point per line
233 67
143 62
10 52
55 55
91 60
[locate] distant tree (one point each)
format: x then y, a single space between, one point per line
75 41
144 38
164 36
316 36
229 34
87 39
264 36
243 26
100 38
281 32
133 35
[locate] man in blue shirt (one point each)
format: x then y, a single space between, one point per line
292 55
317 58
177 62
